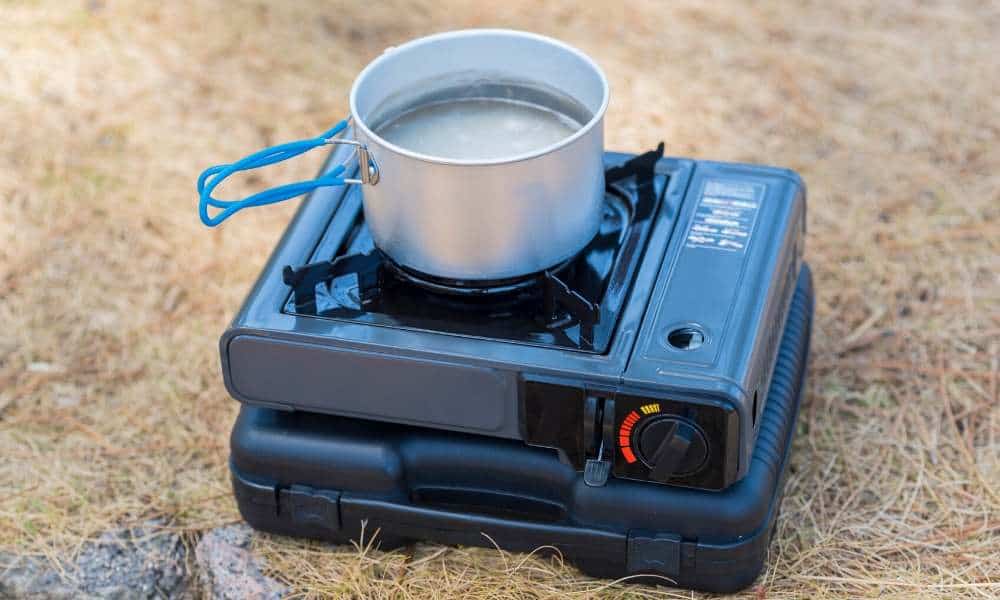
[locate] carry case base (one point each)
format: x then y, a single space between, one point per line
339 479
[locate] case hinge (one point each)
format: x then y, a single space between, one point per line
251 492
317 509
665 554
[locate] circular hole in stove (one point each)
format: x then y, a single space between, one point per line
686 338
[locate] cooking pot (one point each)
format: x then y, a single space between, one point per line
451 218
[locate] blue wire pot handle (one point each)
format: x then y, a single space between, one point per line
213 176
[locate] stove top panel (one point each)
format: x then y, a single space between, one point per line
601 276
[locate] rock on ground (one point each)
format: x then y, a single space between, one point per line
228 570
141 562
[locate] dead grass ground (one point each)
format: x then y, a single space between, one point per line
112 295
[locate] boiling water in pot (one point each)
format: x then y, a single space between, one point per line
485 121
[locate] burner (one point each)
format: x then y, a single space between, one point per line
471 288
573 305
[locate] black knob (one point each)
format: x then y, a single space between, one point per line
671 447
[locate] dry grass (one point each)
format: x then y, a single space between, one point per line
112 295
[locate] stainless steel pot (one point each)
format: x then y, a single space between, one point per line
473 220
483 220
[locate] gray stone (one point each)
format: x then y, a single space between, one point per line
229 571
31 577
142 562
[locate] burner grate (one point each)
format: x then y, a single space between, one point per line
573 305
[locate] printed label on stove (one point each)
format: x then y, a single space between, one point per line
725 215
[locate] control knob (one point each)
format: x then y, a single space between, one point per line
671 447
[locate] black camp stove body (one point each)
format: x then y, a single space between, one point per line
648 357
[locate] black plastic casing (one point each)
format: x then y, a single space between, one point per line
339 479
737 297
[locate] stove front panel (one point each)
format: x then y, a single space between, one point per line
372 385
710 450
555 415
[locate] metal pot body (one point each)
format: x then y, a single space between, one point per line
477 220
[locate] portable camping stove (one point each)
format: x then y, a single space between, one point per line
646 357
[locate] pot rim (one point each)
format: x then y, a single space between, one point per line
584 130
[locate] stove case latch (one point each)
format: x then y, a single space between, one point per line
308 507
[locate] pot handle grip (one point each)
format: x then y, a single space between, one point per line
211 177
